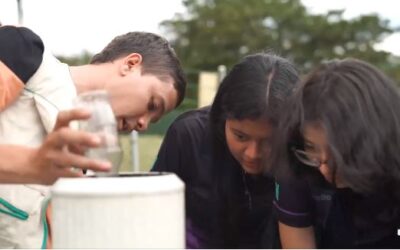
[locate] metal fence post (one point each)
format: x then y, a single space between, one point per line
135 151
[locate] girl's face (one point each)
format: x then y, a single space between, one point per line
316 149
249 142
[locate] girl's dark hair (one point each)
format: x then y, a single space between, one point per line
359 109
255 88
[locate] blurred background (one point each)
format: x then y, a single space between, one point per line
210 36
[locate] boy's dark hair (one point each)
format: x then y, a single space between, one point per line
158 57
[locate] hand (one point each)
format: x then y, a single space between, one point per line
63 149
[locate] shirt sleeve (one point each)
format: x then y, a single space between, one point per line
21 53
292 203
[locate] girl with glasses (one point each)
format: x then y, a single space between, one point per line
219 152
337 161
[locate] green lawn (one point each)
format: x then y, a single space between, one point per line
148 149
149 142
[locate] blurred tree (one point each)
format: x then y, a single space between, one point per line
214 32
83 58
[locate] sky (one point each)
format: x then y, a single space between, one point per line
69 27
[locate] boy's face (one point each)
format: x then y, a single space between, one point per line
138 100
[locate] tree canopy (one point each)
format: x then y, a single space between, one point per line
215 32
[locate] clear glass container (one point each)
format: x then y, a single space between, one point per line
103 123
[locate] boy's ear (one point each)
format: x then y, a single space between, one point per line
130 62
133 60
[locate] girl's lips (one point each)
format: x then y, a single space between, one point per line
251 165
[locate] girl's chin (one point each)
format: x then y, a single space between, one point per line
251 169
338 183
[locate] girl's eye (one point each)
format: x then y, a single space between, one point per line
309 148
240 137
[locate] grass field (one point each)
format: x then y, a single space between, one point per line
148 149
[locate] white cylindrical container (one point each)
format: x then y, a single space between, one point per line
142 210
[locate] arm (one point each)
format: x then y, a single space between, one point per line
293 206
61 149
295 237
13 161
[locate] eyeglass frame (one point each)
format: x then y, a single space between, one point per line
311 162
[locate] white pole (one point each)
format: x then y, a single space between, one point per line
20 12
221 73
135 151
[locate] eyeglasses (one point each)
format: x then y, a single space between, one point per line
309 159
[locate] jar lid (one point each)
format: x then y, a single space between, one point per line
145 183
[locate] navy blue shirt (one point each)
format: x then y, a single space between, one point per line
341 218
225 208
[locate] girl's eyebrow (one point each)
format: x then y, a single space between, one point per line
238 131
308 141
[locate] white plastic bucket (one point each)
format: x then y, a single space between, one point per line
142 210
